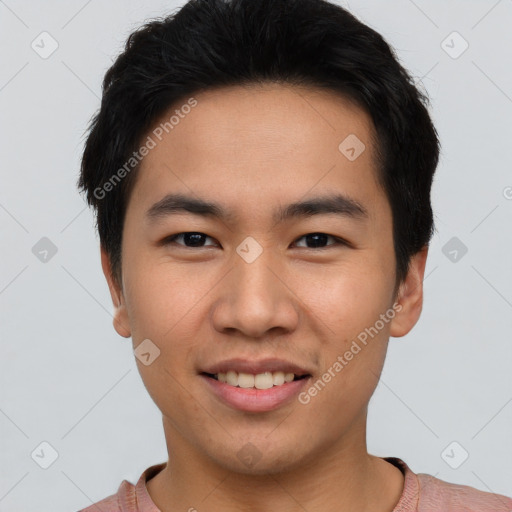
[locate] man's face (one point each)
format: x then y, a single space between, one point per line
253 287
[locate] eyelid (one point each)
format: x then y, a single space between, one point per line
170 239
337 240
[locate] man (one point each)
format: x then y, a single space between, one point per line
261 173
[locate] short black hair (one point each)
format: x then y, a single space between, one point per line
209 44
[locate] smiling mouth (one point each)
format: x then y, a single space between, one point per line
264 380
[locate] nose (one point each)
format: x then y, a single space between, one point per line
256 298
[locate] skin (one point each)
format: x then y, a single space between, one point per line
252 149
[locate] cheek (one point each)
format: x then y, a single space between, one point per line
163 299
347 298
353 335
164 308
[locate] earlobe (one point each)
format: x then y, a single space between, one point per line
120 320
410 296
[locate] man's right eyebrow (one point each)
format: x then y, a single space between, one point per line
180 203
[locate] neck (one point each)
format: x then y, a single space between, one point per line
342 478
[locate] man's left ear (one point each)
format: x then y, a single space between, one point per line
410 296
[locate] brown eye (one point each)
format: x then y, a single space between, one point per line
190 239
318 240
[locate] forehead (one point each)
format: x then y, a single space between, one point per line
257 144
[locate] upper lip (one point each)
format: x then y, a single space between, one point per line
255 367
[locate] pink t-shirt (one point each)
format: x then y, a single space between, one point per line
421 493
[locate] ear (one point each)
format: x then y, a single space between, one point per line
121 320
410 296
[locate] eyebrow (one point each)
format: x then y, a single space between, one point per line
337 204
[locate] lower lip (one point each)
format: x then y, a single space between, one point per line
255 400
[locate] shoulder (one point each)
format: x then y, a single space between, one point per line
129 497
436 494
112 503
426 493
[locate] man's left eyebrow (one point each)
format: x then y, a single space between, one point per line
337 204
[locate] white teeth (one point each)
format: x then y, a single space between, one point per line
263 380
245 380
232 378
260 381
278 378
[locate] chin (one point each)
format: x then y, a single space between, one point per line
250 460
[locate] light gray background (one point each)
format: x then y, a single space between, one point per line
69 380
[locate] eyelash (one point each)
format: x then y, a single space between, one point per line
337 241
